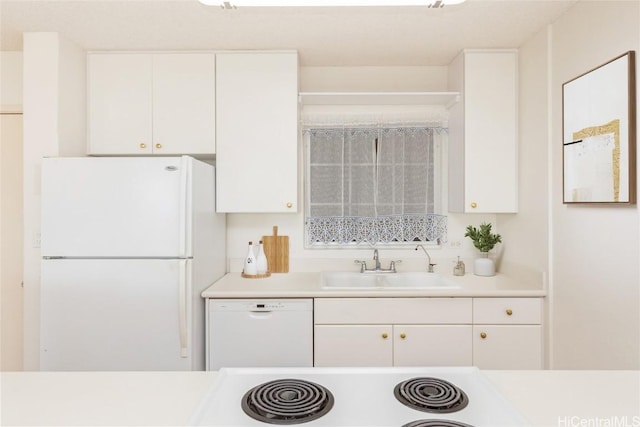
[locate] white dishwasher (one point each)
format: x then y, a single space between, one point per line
259 333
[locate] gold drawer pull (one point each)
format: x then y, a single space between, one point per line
385 336
158 145
474 205
483 335
403 335
289 205
143 145
509 312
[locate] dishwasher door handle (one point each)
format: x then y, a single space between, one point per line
260 314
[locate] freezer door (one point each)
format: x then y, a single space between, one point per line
116 207
116 315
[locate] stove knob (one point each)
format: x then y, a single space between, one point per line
385 335
509 312
483 335
403 335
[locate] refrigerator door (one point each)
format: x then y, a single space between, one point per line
116 315
116 207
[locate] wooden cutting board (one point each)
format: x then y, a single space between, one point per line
276 249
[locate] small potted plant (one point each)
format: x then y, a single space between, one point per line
484 240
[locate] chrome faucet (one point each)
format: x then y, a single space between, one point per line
431 265
376 259
378 268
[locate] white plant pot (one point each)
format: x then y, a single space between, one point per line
484 266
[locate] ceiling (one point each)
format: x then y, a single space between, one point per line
343 36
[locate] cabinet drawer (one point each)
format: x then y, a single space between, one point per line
392 310
514 311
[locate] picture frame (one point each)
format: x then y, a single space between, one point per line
599 134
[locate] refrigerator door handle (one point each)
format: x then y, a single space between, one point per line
183 310
185 199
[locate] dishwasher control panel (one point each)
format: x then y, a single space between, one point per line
261 305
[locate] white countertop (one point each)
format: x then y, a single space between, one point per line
545 398
309 285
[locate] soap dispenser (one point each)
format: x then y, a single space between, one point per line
250 265
262 264
458 269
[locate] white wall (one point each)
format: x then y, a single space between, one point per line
596 249
594 282
54 86
11 291
11 81
373 79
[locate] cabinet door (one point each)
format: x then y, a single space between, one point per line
119 103
257 132
483 137
184 103
491 137
353 345
507 346
432 345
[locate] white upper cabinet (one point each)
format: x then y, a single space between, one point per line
483 132
257 132
184 100
119 103
151 103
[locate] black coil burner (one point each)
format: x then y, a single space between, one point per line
287 401
436 423
431 395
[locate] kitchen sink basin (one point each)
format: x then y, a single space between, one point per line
387 281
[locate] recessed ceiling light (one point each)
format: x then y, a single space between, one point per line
324 3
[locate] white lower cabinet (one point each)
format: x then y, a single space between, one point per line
415 332
507 346
507 333
490 333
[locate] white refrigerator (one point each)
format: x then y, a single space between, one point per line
128 245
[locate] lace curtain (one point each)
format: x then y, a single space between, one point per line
373 185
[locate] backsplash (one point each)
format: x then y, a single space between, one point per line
242 228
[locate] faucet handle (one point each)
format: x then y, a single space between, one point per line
392 267
363 265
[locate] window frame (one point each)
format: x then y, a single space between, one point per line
439 216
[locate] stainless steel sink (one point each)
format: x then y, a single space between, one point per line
387 281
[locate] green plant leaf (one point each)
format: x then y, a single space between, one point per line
483 239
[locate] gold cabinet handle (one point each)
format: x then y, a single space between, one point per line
143 145
158 145
474 205
385 335
509 312
403 335
289 205
483 335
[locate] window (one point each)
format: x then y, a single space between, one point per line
373 185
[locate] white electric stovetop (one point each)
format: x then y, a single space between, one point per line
362 397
